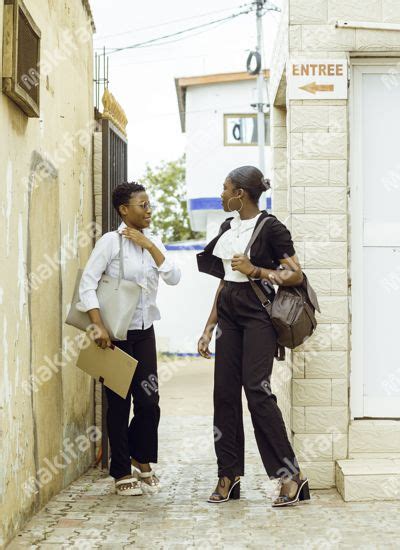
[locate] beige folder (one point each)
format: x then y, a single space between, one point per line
111 366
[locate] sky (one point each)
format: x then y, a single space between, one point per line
142 79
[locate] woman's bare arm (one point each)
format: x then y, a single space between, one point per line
103 339
290 275
209 328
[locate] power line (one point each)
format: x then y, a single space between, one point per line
168 23
178 33
152 42
173 41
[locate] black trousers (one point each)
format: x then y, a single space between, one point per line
245 348
139 439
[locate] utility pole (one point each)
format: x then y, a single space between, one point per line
260 89
261 7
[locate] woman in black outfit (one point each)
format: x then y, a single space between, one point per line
246 345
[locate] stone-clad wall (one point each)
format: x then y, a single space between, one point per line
310 181
281 378
312 25
318 179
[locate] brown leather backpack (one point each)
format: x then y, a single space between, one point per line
292 311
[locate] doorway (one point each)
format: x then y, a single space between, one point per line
375 241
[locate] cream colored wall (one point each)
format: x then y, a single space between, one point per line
310 192
282 372
36 425
97 197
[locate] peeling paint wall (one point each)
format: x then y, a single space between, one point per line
46 403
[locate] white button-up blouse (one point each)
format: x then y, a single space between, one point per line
139 266
234 241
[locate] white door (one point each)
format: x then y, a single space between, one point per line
375 230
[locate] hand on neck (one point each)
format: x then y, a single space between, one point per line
132 226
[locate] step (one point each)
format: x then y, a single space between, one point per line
378 438
368 479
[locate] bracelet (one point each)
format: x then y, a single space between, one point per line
256 273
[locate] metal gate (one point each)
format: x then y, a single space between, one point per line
114 172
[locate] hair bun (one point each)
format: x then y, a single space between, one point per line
266 184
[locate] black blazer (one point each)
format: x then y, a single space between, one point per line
273 244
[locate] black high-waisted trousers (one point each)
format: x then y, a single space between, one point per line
245 348
139 439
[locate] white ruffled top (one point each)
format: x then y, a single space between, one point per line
234 241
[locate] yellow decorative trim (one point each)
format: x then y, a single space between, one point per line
113 111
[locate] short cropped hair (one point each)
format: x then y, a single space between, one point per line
123 192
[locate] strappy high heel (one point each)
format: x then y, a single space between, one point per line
233 493
302 493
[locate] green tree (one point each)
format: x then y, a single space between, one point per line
166 188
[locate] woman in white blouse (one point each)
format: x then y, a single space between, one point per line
246 340
134 444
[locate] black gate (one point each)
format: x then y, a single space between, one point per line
114 172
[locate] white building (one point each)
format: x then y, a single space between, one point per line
335 130
221 134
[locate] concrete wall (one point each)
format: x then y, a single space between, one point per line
184 309
46 404
310 179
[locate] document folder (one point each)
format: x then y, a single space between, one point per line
111 366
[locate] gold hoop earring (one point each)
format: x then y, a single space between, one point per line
241 204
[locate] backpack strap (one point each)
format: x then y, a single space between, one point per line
311 293
121 273
265 302
254 236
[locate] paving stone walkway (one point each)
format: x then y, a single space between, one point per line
88 514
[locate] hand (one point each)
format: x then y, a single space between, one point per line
103 340
137 237
241 263
202 346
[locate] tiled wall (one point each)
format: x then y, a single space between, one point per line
310 181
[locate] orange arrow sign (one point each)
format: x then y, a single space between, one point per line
313 88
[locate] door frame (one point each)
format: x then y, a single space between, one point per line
356 233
